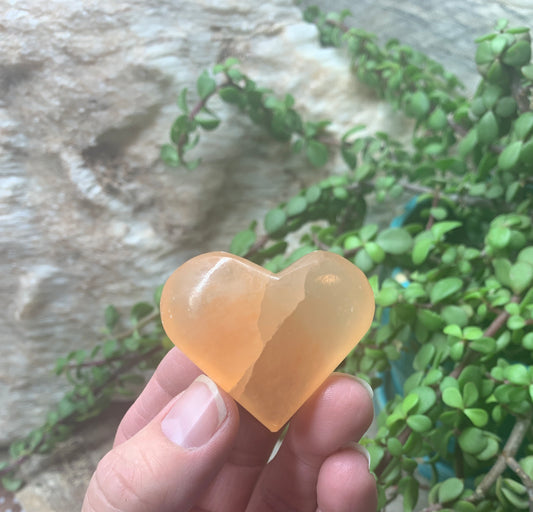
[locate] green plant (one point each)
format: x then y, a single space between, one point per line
461 316
95 376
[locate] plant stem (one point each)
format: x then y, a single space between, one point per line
490 332
526 480
193 113
387 458
259 244
71 418
434 204
140 324
509 451
119 337
505 459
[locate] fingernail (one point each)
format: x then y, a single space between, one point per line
366 385
361 449
196 415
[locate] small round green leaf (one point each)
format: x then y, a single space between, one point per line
517 374
340 193
454 315
468 143
296 206
376 454
526 255
490 451
472 440
368 231
445 288
478 417
510 155
499 236
472 333
506 107
521 276
242 242
394 446
169 155
395 240
491 94
450 490
523 125
111 317
478 107
519 54
427 396
527 341
487 128
418 105
231 95
409 402
452 398
421 250
375 252
470 391
484 345
497 73
526 154
527 71
205 85
464 506
438 119
499 43
502 268
419 423
317 153
312 194
11 484
439 229
430 319
453 330
140 310
208 124
424 357
363 260
352 242
387 297
484 53
275 220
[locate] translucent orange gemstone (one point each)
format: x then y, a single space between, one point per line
269 340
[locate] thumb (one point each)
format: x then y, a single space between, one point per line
169 463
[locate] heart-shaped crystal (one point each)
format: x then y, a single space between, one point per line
269 340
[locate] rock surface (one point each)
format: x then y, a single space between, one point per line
89 215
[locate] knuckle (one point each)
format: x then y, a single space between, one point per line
124 482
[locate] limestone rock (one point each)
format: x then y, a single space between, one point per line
89 215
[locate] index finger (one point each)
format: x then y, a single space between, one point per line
174 374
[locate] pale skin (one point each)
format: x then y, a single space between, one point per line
222 464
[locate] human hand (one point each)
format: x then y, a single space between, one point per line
186 445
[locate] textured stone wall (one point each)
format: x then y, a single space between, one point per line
88 214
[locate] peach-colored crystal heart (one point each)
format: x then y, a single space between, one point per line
269 340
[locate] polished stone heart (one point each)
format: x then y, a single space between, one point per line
269 340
